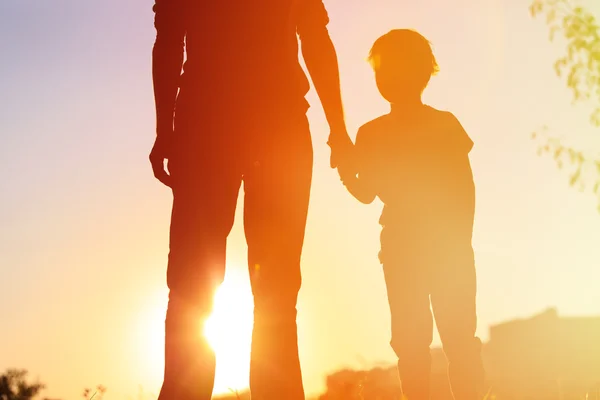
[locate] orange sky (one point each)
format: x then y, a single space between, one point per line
83 241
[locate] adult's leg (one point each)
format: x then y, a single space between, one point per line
453 300
412 325
277 189
206 182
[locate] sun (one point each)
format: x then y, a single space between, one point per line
229 332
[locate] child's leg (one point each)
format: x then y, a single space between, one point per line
412 324
453 302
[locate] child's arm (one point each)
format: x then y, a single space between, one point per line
360 189
359 183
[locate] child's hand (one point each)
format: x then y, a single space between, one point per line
341 147
361 189
347 171
358 188
346 164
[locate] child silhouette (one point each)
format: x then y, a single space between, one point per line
416 160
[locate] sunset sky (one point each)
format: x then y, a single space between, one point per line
84 224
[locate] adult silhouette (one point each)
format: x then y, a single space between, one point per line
238 113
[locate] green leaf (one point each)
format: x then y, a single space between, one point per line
559 65
575 177
558 152
536 7
551 16
595 118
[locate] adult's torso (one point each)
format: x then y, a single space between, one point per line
242 56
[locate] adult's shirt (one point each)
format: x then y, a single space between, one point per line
241 54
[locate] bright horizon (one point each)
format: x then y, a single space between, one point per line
83 243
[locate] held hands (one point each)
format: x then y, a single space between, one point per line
341 147
348 170
161 151
342 155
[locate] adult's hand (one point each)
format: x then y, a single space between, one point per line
159 154
341 149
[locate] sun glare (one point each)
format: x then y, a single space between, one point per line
229 332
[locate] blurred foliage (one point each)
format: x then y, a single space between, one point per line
14 386
234 395
377 383
97 394
580 68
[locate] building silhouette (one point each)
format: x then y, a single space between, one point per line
544 357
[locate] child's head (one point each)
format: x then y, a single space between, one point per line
403 63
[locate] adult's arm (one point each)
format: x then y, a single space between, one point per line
167 61
322 63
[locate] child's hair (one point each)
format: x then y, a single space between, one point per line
405 51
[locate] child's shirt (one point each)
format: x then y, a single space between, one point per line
418 165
